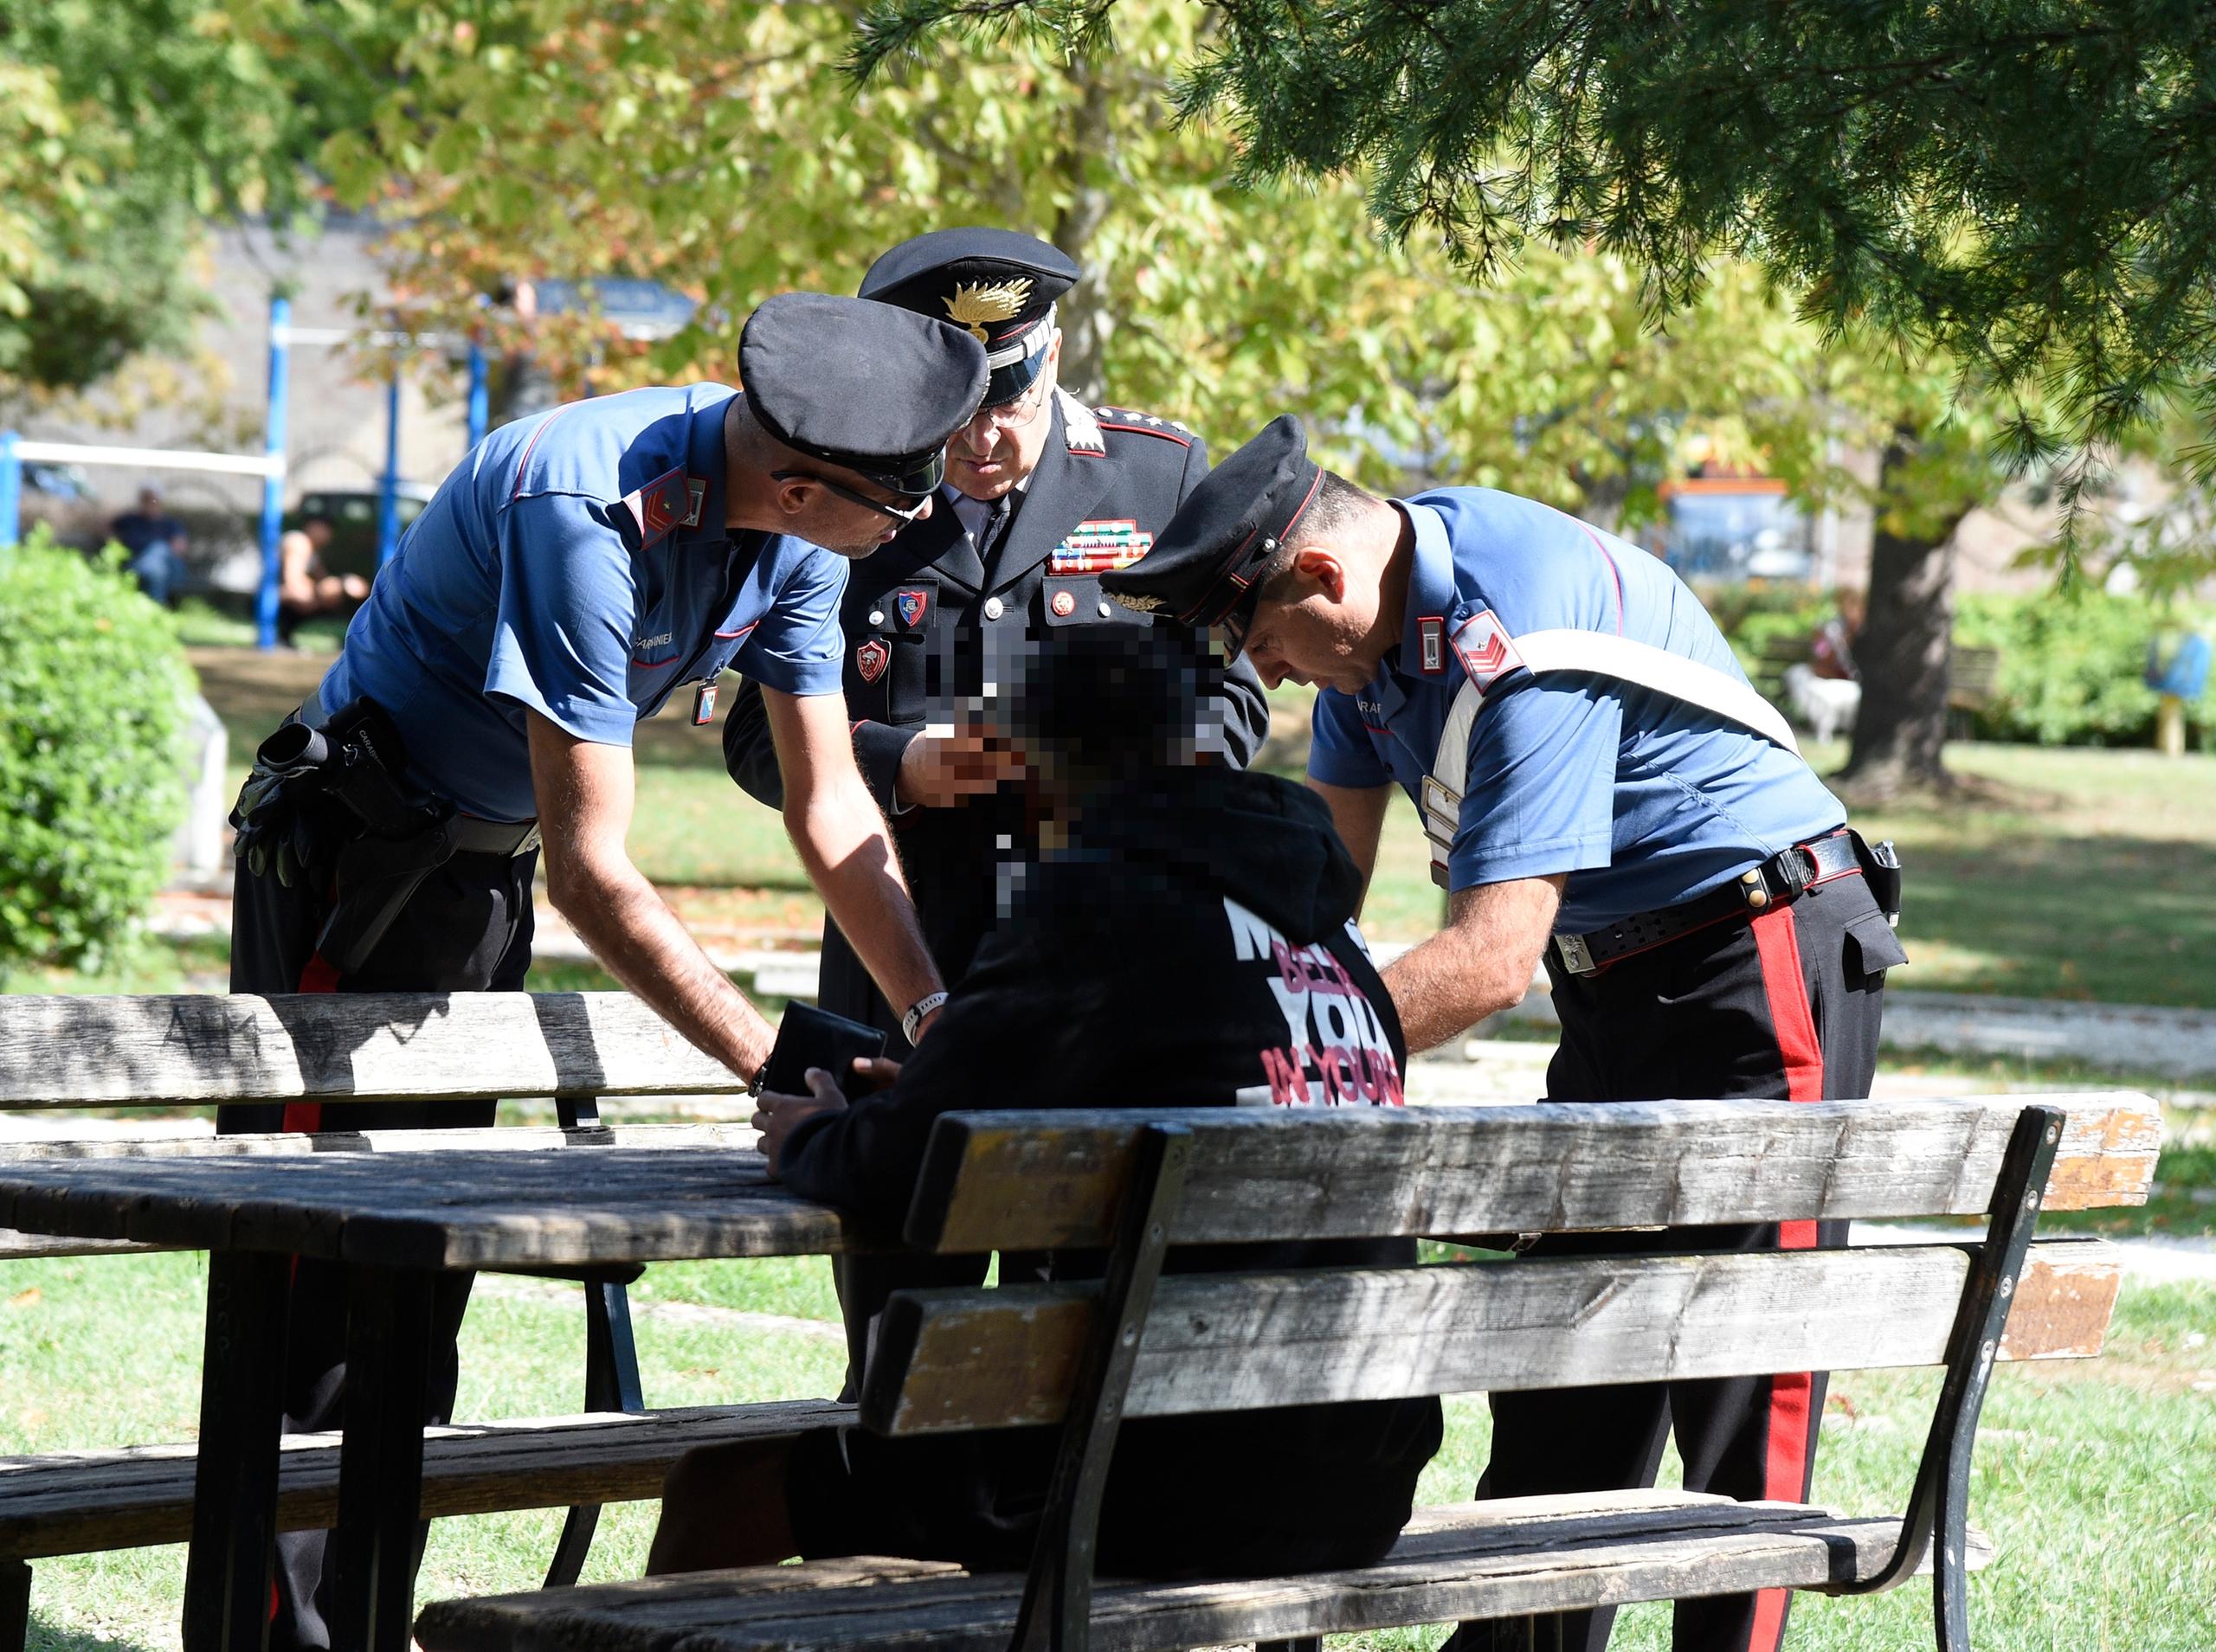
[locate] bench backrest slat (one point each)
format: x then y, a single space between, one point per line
959 1359
63 1051
1050 1180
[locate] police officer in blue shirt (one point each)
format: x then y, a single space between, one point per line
576 572
1601 790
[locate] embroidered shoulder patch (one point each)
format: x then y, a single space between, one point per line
1482 644
1099 547
663 504
1079 429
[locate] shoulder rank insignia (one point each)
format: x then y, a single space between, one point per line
670 500
1100 547
1079 429
1483 645
1144 423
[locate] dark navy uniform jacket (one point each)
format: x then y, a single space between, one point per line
926 623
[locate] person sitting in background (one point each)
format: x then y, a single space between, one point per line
155 544
304 586
1145 950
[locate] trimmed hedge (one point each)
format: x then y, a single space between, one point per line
92 689
2071 667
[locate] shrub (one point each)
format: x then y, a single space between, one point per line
92 687
2070 668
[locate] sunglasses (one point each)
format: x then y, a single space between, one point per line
913 513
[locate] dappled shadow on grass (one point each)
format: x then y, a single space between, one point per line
2110 918
46 1636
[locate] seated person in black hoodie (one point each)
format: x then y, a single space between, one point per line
1186 940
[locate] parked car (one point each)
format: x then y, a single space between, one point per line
61 497
353 516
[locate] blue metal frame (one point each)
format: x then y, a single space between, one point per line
389 483
11 489
273 485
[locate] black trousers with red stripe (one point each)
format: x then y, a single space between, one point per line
467 929
1784 1007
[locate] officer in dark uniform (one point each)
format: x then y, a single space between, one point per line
1042 496
1151 947
578 571
1601 788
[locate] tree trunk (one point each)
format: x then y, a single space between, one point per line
1901 727
1085 323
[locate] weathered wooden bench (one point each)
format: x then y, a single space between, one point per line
1143 1344
143 1053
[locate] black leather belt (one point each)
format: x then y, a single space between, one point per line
1784 877
474 837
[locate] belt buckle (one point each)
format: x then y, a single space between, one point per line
530 842
1576 957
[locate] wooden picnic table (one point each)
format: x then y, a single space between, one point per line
401 1220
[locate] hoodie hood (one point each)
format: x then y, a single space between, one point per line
1266 842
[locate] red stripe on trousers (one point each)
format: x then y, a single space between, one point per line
1786 1461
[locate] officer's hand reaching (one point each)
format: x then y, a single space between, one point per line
777 1115
938 770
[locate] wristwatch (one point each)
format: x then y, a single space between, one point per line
912 1023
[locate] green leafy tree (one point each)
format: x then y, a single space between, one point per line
124 127
2017 184
719 149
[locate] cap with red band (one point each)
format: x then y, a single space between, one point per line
1206 565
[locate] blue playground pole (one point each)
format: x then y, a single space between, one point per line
272 485
481 395
388 486
12 490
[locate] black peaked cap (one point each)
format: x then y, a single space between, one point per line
863 386
997 284
1206 564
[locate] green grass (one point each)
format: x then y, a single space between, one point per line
2092 1477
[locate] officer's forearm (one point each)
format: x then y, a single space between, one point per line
1479 964
843 842
644 945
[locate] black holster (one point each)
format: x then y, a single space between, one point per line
1881 870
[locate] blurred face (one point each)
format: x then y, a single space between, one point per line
1001 444
149 501
1315 627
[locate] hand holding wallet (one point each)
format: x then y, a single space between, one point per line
808 1037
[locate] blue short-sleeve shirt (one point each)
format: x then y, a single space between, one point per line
529 583
1644 800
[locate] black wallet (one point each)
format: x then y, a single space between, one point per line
808 1037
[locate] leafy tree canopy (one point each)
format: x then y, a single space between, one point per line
717 147
124 125
2020 184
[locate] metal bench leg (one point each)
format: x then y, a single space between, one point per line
15 1603
1939 1507
1057 1611
611 1369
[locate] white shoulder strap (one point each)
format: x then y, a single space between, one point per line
1681 679
1596 654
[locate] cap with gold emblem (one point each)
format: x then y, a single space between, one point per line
1000 285
1205 568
